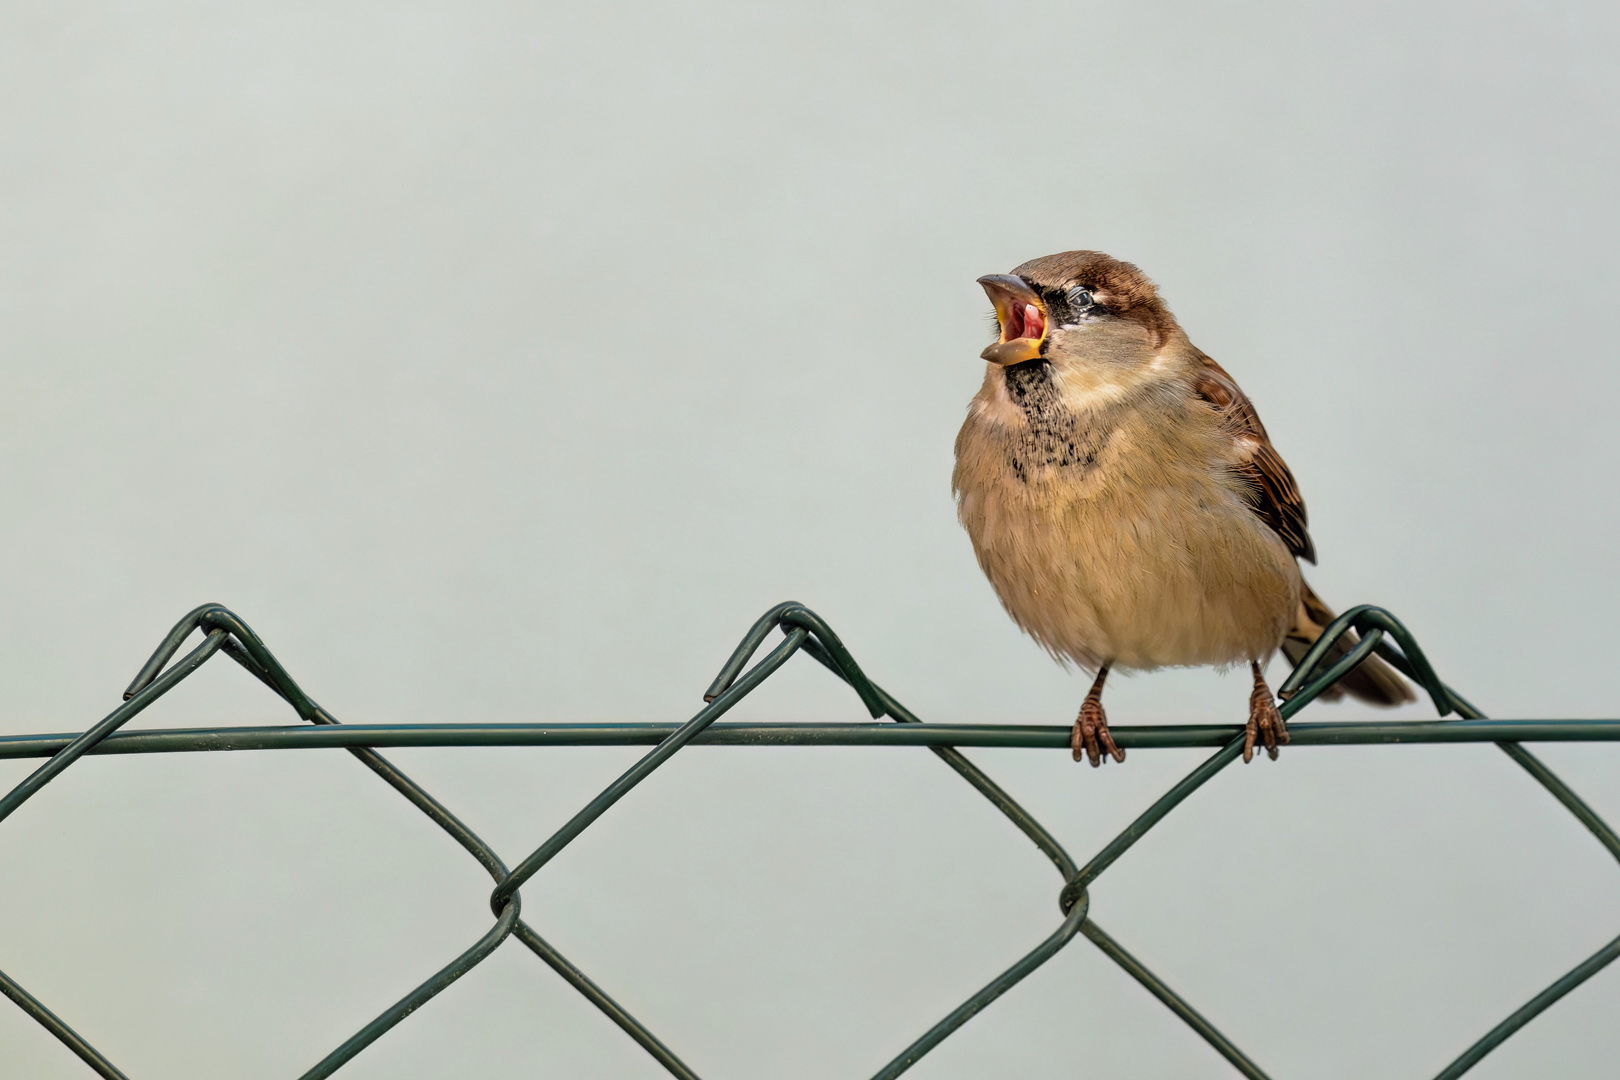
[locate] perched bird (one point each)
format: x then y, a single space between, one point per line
1124 500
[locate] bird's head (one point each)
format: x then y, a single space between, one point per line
1077 309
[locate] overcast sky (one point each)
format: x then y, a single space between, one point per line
503 362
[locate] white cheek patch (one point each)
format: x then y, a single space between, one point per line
1088 393
1083 389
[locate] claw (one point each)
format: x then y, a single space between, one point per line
1266 725
1091 736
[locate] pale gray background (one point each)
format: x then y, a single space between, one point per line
504 361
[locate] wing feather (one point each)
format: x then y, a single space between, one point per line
1264 475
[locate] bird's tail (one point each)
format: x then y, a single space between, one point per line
1372 680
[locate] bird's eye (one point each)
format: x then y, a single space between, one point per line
1080 299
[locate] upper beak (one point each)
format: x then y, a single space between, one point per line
1022 317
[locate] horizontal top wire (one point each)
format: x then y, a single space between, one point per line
1030 736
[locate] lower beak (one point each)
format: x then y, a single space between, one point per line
1022 317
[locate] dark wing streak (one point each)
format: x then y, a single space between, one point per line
1265 475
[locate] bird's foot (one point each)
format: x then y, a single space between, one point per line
1266 725
1090 736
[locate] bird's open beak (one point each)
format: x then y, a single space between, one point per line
1022 317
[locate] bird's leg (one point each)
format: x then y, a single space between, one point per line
1265 722
1090 735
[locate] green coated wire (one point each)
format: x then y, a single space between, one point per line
1357 633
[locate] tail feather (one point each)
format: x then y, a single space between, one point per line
1372 680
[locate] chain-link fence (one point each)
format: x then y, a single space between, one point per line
803 631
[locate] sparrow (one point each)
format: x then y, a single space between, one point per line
1125 501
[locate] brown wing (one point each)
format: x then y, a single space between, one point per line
1264 474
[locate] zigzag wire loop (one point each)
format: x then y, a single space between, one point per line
166 649
1373 623
803 630
746 648
823 643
